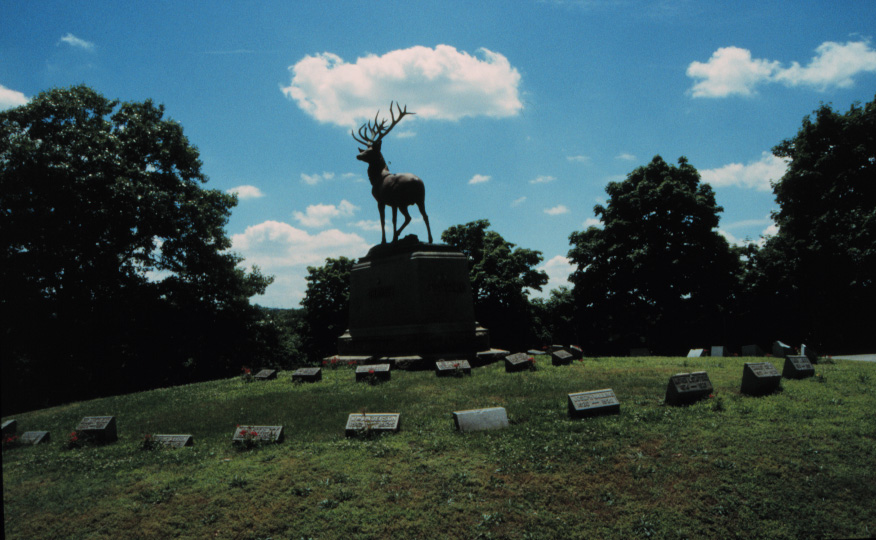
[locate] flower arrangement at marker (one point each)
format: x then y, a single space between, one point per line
246 374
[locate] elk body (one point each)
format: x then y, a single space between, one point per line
397 191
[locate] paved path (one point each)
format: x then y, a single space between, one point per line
859 357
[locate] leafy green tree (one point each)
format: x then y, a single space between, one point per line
657 273
326 306
554 318
114 264
820 268
500 275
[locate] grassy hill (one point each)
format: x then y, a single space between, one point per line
797 464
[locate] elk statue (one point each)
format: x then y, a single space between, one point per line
395 190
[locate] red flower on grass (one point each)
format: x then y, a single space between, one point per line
371 372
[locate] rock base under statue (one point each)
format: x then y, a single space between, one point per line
412 299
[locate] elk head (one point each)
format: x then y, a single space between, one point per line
371 134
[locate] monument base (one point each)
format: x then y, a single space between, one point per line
412 299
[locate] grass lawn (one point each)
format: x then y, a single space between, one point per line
800 463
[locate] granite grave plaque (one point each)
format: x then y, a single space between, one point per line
561 357
480 419
696 353
687 388
593 403
452 368
718 350
809 353
781 350
577 352
173 441
797 367
518 362
367 423
751 350
535 352
307 374
35 437
379 372
258 433
266 375
10 427
99 428
760 379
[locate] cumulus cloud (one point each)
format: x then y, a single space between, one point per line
321 215
76 42
441 83
479 179
246 192
285 252
625 157
755 175
313 179
556 210
367 225
11 98
518 201
542 180
770 230
578 159
557 269
592 222
733 71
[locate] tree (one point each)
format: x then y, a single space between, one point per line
326 306
500 275
820 268
657 274
115 269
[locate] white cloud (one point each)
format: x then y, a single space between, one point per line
558 269
755 175
11 98
285 252
542 180
770 230
76 42
246 192
313 179
367 225
441 83
732 71
731 239
625 157
320 215
592 222
556 210
479 179
578 159
518 201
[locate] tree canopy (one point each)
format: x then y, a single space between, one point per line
819 267
500 274
656 274
114 262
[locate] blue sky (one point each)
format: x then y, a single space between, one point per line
526 109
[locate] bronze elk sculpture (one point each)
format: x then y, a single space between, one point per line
395 190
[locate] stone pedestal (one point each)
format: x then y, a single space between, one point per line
410 298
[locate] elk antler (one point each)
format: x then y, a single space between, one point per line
379 130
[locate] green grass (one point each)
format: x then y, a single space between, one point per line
797 464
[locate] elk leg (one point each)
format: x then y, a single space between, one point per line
382 209
407 216
394 217
422 208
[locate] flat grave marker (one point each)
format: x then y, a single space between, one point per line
576 351
797 367
593 403
258 433
480 419
687 388
760 379
370 423
640 351
35 437
518 362
452 368
781 350
718 350
751 350
266 375
696 353
307 374
535 352
378 372
173 441
561 357
99 428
